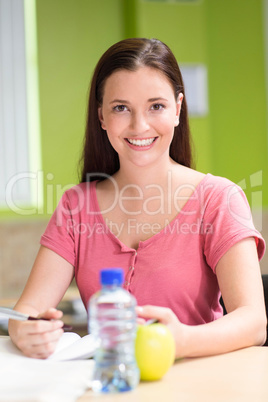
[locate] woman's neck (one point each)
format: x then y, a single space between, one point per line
145 176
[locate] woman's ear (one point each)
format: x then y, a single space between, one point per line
178 109
100 115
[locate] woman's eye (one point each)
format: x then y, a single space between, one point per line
120 108
158 106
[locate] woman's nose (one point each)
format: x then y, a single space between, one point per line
139 123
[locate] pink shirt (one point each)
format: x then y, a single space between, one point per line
174 268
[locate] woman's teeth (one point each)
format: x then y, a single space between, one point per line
141 143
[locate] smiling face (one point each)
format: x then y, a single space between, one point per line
139 112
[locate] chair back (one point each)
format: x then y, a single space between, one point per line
265 289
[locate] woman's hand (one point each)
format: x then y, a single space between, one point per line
167 317
39 338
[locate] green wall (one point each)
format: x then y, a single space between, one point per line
72 35
238 101
225 35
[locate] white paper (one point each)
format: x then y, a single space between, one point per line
71 346
25 379
50 380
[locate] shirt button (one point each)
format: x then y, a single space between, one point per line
131 268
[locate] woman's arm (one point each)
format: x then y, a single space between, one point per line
240 282
49 279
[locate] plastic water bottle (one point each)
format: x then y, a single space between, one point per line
112 321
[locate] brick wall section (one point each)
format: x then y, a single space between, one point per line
19 244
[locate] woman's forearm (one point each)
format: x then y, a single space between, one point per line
241 328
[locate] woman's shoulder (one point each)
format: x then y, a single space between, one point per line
208 187
185 176
195 179
207 182
79 194
78 199
218 192
81 188
218 184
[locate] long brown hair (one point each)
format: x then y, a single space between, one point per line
99 159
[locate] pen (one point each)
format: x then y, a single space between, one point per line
15 315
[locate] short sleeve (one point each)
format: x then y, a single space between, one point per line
228 220
59 235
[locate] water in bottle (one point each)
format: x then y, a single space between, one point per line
112 321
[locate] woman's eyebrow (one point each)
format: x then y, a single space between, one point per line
119 101
149 100
157 99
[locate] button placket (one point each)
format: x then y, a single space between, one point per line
130 272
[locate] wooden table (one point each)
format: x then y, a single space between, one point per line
240 376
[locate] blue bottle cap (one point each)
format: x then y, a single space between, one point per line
112 276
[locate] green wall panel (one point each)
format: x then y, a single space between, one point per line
238 102
72 35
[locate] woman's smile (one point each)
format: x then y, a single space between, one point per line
141 143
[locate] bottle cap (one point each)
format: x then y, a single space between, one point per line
112 276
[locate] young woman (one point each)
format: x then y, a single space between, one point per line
182 237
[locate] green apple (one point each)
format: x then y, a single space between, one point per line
155 351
